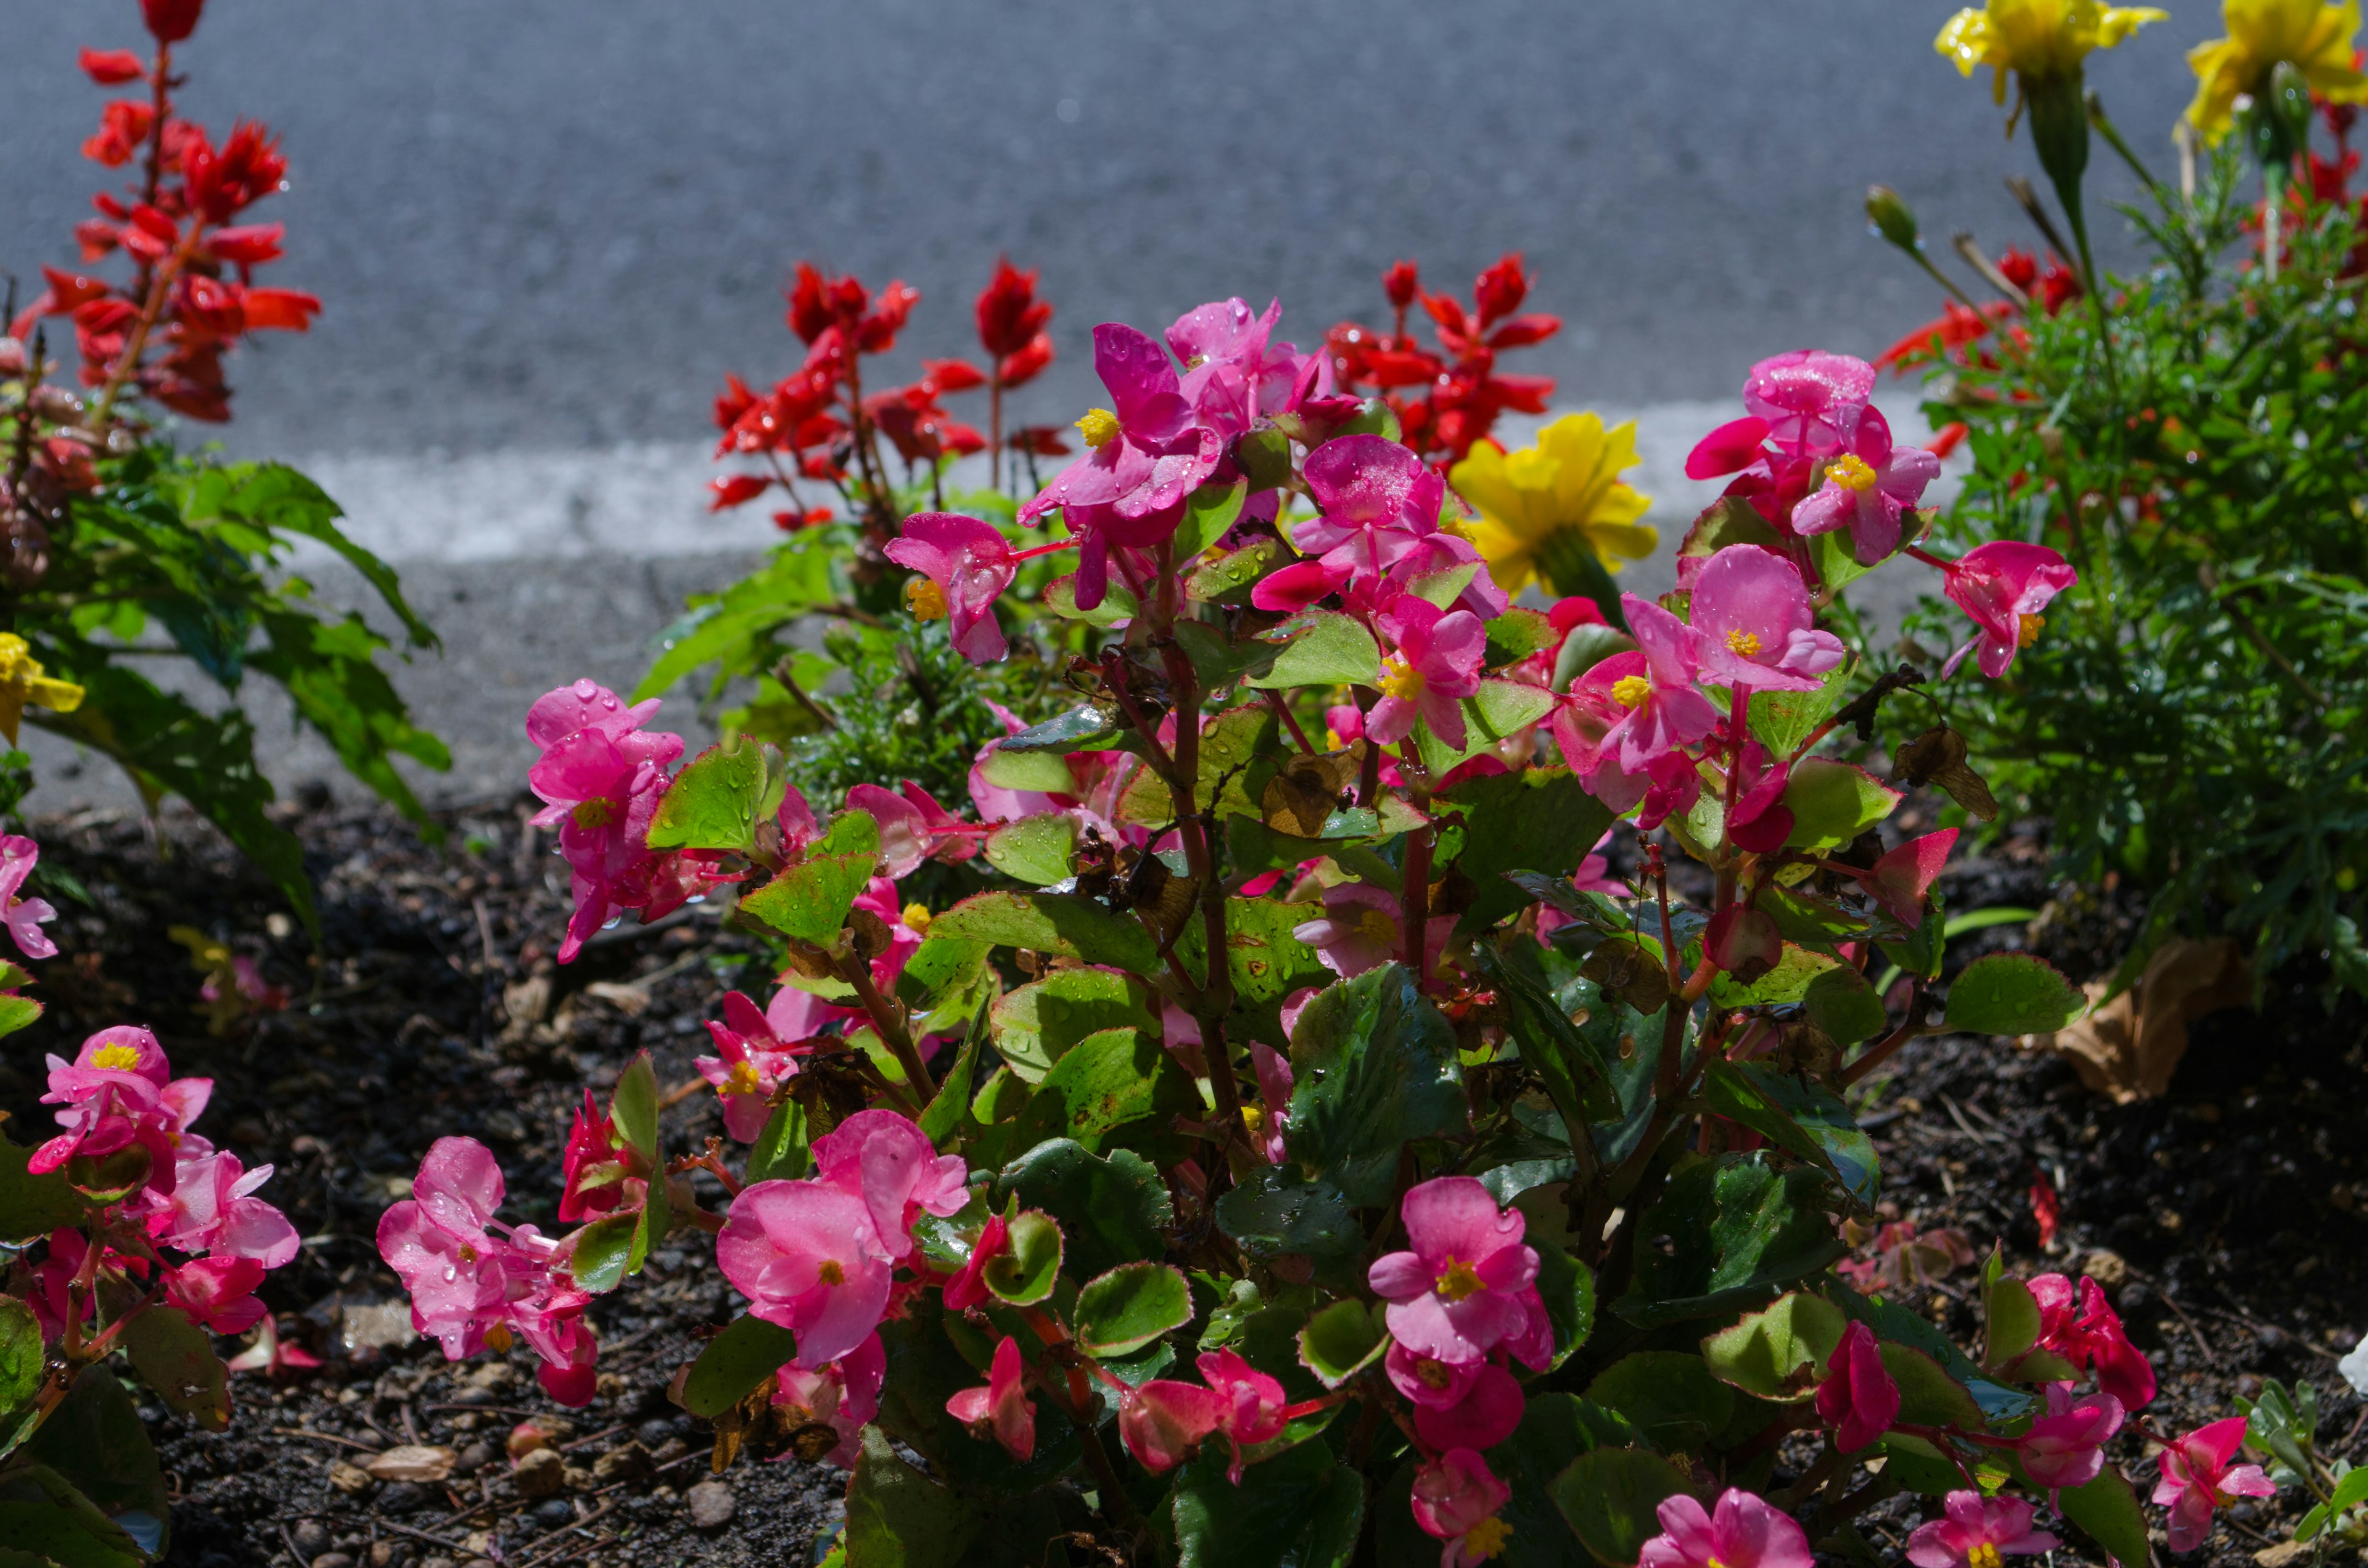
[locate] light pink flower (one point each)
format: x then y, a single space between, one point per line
913 827
886 1159
2004 585
600 782
1975 1532
209 1210
24 915
1223 348
1751 622
1435 666
809 1259
1163 1422
1456 1498
1002 1407
752 1061
2082 1327
1664 711
1867 490
1811 400
1745 1532
217 1293
2065 1447
1379 519
971 564
842 1396
1857 1396
120 1091
2197 1478
1903 879
1274 1095
1362 927
1466 1283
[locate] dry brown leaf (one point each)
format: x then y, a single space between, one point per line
2130 1047
412 1461
630 1000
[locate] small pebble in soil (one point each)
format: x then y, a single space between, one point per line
557 1512
710 1505
474 1457
539 1474
311 1539
655 1431
400 1498
333 1560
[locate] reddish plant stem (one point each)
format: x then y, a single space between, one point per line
1290 721
1890 1045
887 1017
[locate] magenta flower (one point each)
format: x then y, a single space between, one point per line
1857 1397
118 1091
1361 928
1664 711
24 915
2004 585
1760 821
966 565
1975 1532
967 1288
1811 400
842 1396
1380 519
1144 456
1485 1415
2082 1327
884 1158
1867 489
2066 1447
1223 348
1903 879
1436 667
1164 1421
1751 623
1456 1499
1745 1532
913 827
1274 1081
209 1210
587 705
752 1063
217 1293
809 1259
2197 1478
593 1177
1466 1283
1002 1408
600 782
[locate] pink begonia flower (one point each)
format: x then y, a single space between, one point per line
217 1293
1485 1417
1254 1403
2197 1478
474 1281
1143 455
1811 400
1163 1422
809 1259
1746 1531
24 915
118 1091
1902 880
1867 490
1743 943
913 827
1002 1407
967 565
1760 821
1427 1381
601 783
2065 1447
1857 1397
2082 1327
1362 927
1274 1094
209 1210
2004 585
593 1176
1751 622
1976 1531
270 1354
1379 517
883 1157
1456 1498
257 993
752 1063
1223 348
1665 712
1732 448
967 1288
1435 666
1466 1282
842 1396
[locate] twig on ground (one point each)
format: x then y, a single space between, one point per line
326 1437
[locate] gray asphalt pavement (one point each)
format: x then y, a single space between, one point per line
544 229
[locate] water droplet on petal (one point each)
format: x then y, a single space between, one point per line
586 690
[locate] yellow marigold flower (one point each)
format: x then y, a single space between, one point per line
1568 482
2037 40
23 684
2315 36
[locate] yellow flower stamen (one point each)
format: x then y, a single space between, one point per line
1744 642
498 1336
1486 1538
1251 1117
1459 1279
742 1079
1630 691
24 685
114 1057
1099 427
925 599
1399 678
1851 473
830 1273
1984 1555
2027 628
594 814
917 918
1432 1374
1378 928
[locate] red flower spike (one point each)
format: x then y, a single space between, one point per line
280 309
1401 283
250 245
735 490
170 21
952 375
123 127
1016 370
1499 291
112 67
1010 317
1519 332
876 331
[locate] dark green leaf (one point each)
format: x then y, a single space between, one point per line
2108 1509
1568 1290
898 1518
1229 579
1536 819
20 1353
1928 1395
1066 925
1341 1341
1298 1508
1799 1116
1518 633
1669 1395
1779 1352
1080 729
1737 1229
175 1357
1566 1061
1120 1313
1277 1211
783 1149
33 1205
94 1441
735 1361
42 1535
1608 1498
1846 1007
943 1118
2012 993
1111 1208
1025 1273
604 1251
634 1107
1375 1064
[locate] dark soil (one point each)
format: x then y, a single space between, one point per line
2227 1218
